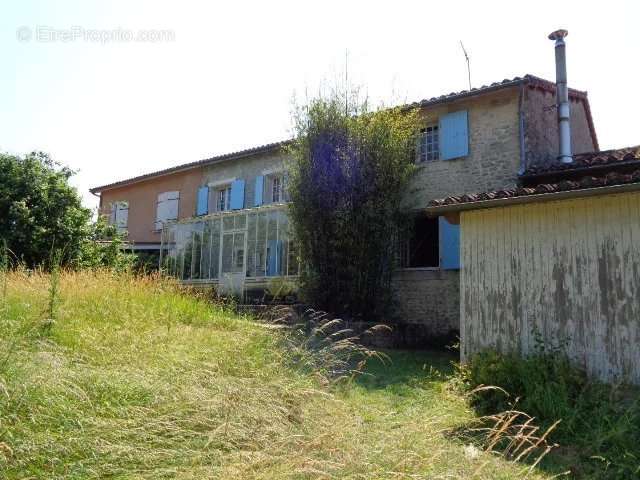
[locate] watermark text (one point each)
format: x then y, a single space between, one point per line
76 33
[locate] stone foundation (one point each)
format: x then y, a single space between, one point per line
428 304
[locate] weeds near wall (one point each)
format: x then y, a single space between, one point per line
599 422
511 434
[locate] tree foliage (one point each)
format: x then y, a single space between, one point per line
42 218
349 171
39 210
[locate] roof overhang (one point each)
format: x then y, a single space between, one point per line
535 198
269 148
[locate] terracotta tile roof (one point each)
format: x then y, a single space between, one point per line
530 80
270 147
607 158
590 176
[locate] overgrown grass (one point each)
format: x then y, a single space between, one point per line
599 425
136 380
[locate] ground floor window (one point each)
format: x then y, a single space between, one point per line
421 247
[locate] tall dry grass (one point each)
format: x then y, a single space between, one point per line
136 379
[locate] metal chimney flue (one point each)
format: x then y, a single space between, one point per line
562 97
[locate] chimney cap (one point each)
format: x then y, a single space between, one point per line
558 34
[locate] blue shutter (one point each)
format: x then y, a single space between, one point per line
272 258
449 244
203 201
259 190
237 195
275 258
454 135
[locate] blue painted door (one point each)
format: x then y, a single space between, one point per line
449 244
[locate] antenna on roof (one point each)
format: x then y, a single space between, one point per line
346 81
466 56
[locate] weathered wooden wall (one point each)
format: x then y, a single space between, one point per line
569 269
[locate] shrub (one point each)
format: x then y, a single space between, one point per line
350 169
601 422
103 248
280 288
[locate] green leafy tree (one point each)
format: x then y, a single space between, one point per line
349 171
39 210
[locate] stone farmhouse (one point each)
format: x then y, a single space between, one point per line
222 220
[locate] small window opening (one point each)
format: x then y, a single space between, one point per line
422 248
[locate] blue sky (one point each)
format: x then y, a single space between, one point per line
226 79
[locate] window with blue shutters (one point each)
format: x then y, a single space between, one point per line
454 135
202 207
449 245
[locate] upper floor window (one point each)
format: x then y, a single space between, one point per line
223 198
429 144
276 188
166 208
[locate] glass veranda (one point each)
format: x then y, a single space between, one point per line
251 244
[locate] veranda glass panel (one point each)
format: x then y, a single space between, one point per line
196 250
272 244
181 234
251 244
228 223
205 258
241 222
227 253
238 253
283 242
261 245
214 254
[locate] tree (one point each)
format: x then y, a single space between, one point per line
39 210
349 171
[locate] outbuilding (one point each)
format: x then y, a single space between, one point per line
556 260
